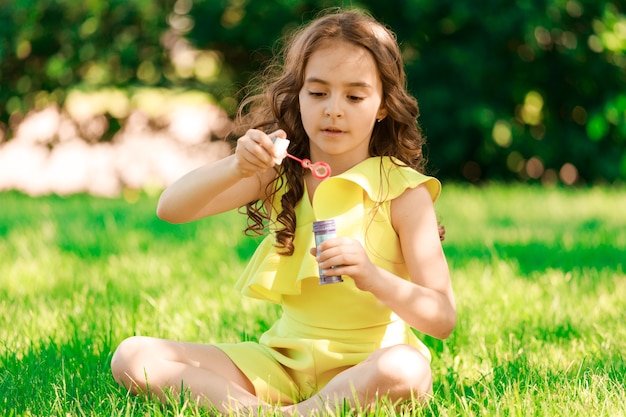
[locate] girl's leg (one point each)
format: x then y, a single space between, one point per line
399 372
148 365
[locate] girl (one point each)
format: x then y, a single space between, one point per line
339 98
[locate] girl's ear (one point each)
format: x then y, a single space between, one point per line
382 113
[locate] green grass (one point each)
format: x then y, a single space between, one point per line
538 274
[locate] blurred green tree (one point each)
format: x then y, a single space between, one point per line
526 89
530 89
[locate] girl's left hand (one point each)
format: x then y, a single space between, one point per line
346 256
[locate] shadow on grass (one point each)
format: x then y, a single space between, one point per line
91 227
540 257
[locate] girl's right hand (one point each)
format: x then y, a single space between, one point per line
255 151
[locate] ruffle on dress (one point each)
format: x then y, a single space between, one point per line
348 198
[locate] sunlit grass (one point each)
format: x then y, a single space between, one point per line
538 274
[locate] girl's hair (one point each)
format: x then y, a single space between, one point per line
276 106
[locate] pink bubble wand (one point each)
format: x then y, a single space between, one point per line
320 170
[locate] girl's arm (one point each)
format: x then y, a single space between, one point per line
222 185
426 302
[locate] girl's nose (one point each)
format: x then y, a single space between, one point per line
333 108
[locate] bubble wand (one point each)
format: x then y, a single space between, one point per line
320 170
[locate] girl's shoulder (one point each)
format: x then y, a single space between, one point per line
386 178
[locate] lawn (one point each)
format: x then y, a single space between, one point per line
539 275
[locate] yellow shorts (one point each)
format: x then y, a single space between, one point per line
291 374
286 368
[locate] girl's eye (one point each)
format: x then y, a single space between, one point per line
355 98
316 93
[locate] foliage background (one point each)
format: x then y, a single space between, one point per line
531 90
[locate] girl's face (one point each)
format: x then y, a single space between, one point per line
340 102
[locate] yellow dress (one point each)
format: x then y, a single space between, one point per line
325 329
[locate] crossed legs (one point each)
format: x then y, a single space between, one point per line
157 366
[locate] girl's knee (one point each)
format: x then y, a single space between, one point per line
407 370
127 364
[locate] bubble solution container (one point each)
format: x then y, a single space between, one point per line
325 229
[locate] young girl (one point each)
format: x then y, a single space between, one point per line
340 98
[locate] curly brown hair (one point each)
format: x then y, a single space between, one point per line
276 106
